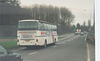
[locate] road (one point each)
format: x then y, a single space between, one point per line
72 48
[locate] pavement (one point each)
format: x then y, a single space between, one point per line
70 47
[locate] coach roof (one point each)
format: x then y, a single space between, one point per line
29 20
36 21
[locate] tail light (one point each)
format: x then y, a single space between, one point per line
18 40
36 40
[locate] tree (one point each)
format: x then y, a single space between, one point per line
12 2
42 12
73 27
78 26
66 16
84 24
56 15
89 23
50 17
11 13
85 28
35 11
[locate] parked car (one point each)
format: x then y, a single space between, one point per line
91 36
76 33
81 33
6 55
85 32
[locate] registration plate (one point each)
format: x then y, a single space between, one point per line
26 36
27 40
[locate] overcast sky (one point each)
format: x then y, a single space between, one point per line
82 9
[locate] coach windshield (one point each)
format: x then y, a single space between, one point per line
28 25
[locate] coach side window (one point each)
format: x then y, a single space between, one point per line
55 28
47 27
40 26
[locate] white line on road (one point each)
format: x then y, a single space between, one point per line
88 53
63 42
69 40
72 39
65 38
32 53
54 46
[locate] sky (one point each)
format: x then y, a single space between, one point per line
82 9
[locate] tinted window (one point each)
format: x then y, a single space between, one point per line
28 25
40 26
48 27
55 28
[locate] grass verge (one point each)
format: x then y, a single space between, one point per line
9 44
64 35
13 43
7 37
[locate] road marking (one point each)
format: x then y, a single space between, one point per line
72 39
59 43
54 46
65 38
88 53
85 39
69 40
32 53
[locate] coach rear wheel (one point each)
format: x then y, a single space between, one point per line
45 44
54 41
